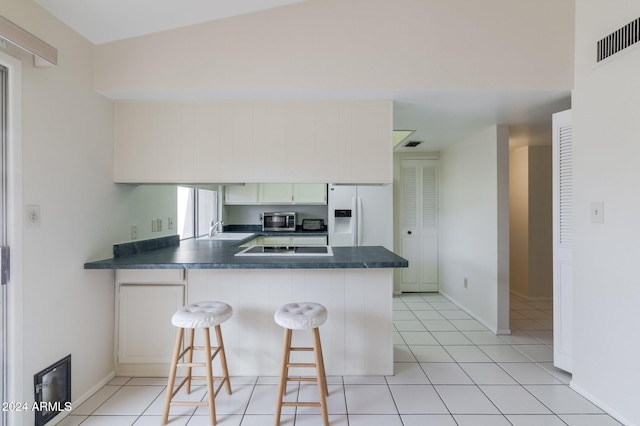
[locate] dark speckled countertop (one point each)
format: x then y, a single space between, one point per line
171 253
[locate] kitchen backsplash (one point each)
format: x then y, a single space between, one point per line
250 215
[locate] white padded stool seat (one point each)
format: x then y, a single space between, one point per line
202 315
301 316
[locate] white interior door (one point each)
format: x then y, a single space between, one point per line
562 241
419 225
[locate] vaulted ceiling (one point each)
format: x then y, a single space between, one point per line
438 117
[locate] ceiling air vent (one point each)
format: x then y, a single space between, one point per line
412 144
619 40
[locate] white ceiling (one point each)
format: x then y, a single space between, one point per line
438 117
101 21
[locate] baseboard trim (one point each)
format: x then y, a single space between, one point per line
604 407
80 400
475 317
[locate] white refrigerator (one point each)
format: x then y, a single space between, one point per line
361 215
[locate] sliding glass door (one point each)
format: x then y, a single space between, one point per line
4 250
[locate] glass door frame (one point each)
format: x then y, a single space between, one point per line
12 346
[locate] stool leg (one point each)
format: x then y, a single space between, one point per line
189 359
172 376
316 337
284 373
223 360
322 379
210 389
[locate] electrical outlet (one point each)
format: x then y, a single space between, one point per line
159 224
466 282
32 219
597 212
170 223
134 232
154 225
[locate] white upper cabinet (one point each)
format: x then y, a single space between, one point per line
309 193
241 194
272 142
276 193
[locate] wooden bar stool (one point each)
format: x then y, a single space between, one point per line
302 316
203 315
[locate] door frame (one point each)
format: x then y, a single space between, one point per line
15 380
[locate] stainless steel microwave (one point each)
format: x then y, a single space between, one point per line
279 221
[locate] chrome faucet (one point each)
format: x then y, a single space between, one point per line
215 228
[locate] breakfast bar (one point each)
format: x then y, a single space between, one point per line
355 284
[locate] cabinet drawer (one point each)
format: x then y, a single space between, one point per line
155 276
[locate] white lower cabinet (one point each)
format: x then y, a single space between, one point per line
146 300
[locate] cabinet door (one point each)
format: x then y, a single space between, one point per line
145 333
309 193
275 193
241 194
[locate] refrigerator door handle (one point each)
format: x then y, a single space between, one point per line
360 214
354 227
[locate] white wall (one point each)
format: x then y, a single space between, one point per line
519 221
530 230
320 47
540 223
474 227
606 151
66 170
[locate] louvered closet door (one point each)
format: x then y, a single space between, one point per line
562 240
419 225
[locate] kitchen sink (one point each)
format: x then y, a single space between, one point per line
226 236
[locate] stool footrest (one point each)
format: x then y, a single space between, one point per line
308 349
191 364
302 379
188 403
302 364
300 404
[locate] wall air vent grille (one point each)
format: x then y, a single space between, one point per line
618 40
412 144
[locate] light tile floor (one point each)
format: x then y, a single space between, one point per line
449 370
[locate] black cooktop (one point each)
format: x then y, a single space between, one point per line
286 251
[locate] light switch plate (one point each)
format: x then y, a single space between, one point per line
597 212
32 213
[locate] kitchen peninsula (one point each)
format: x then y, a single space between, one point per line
355 284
